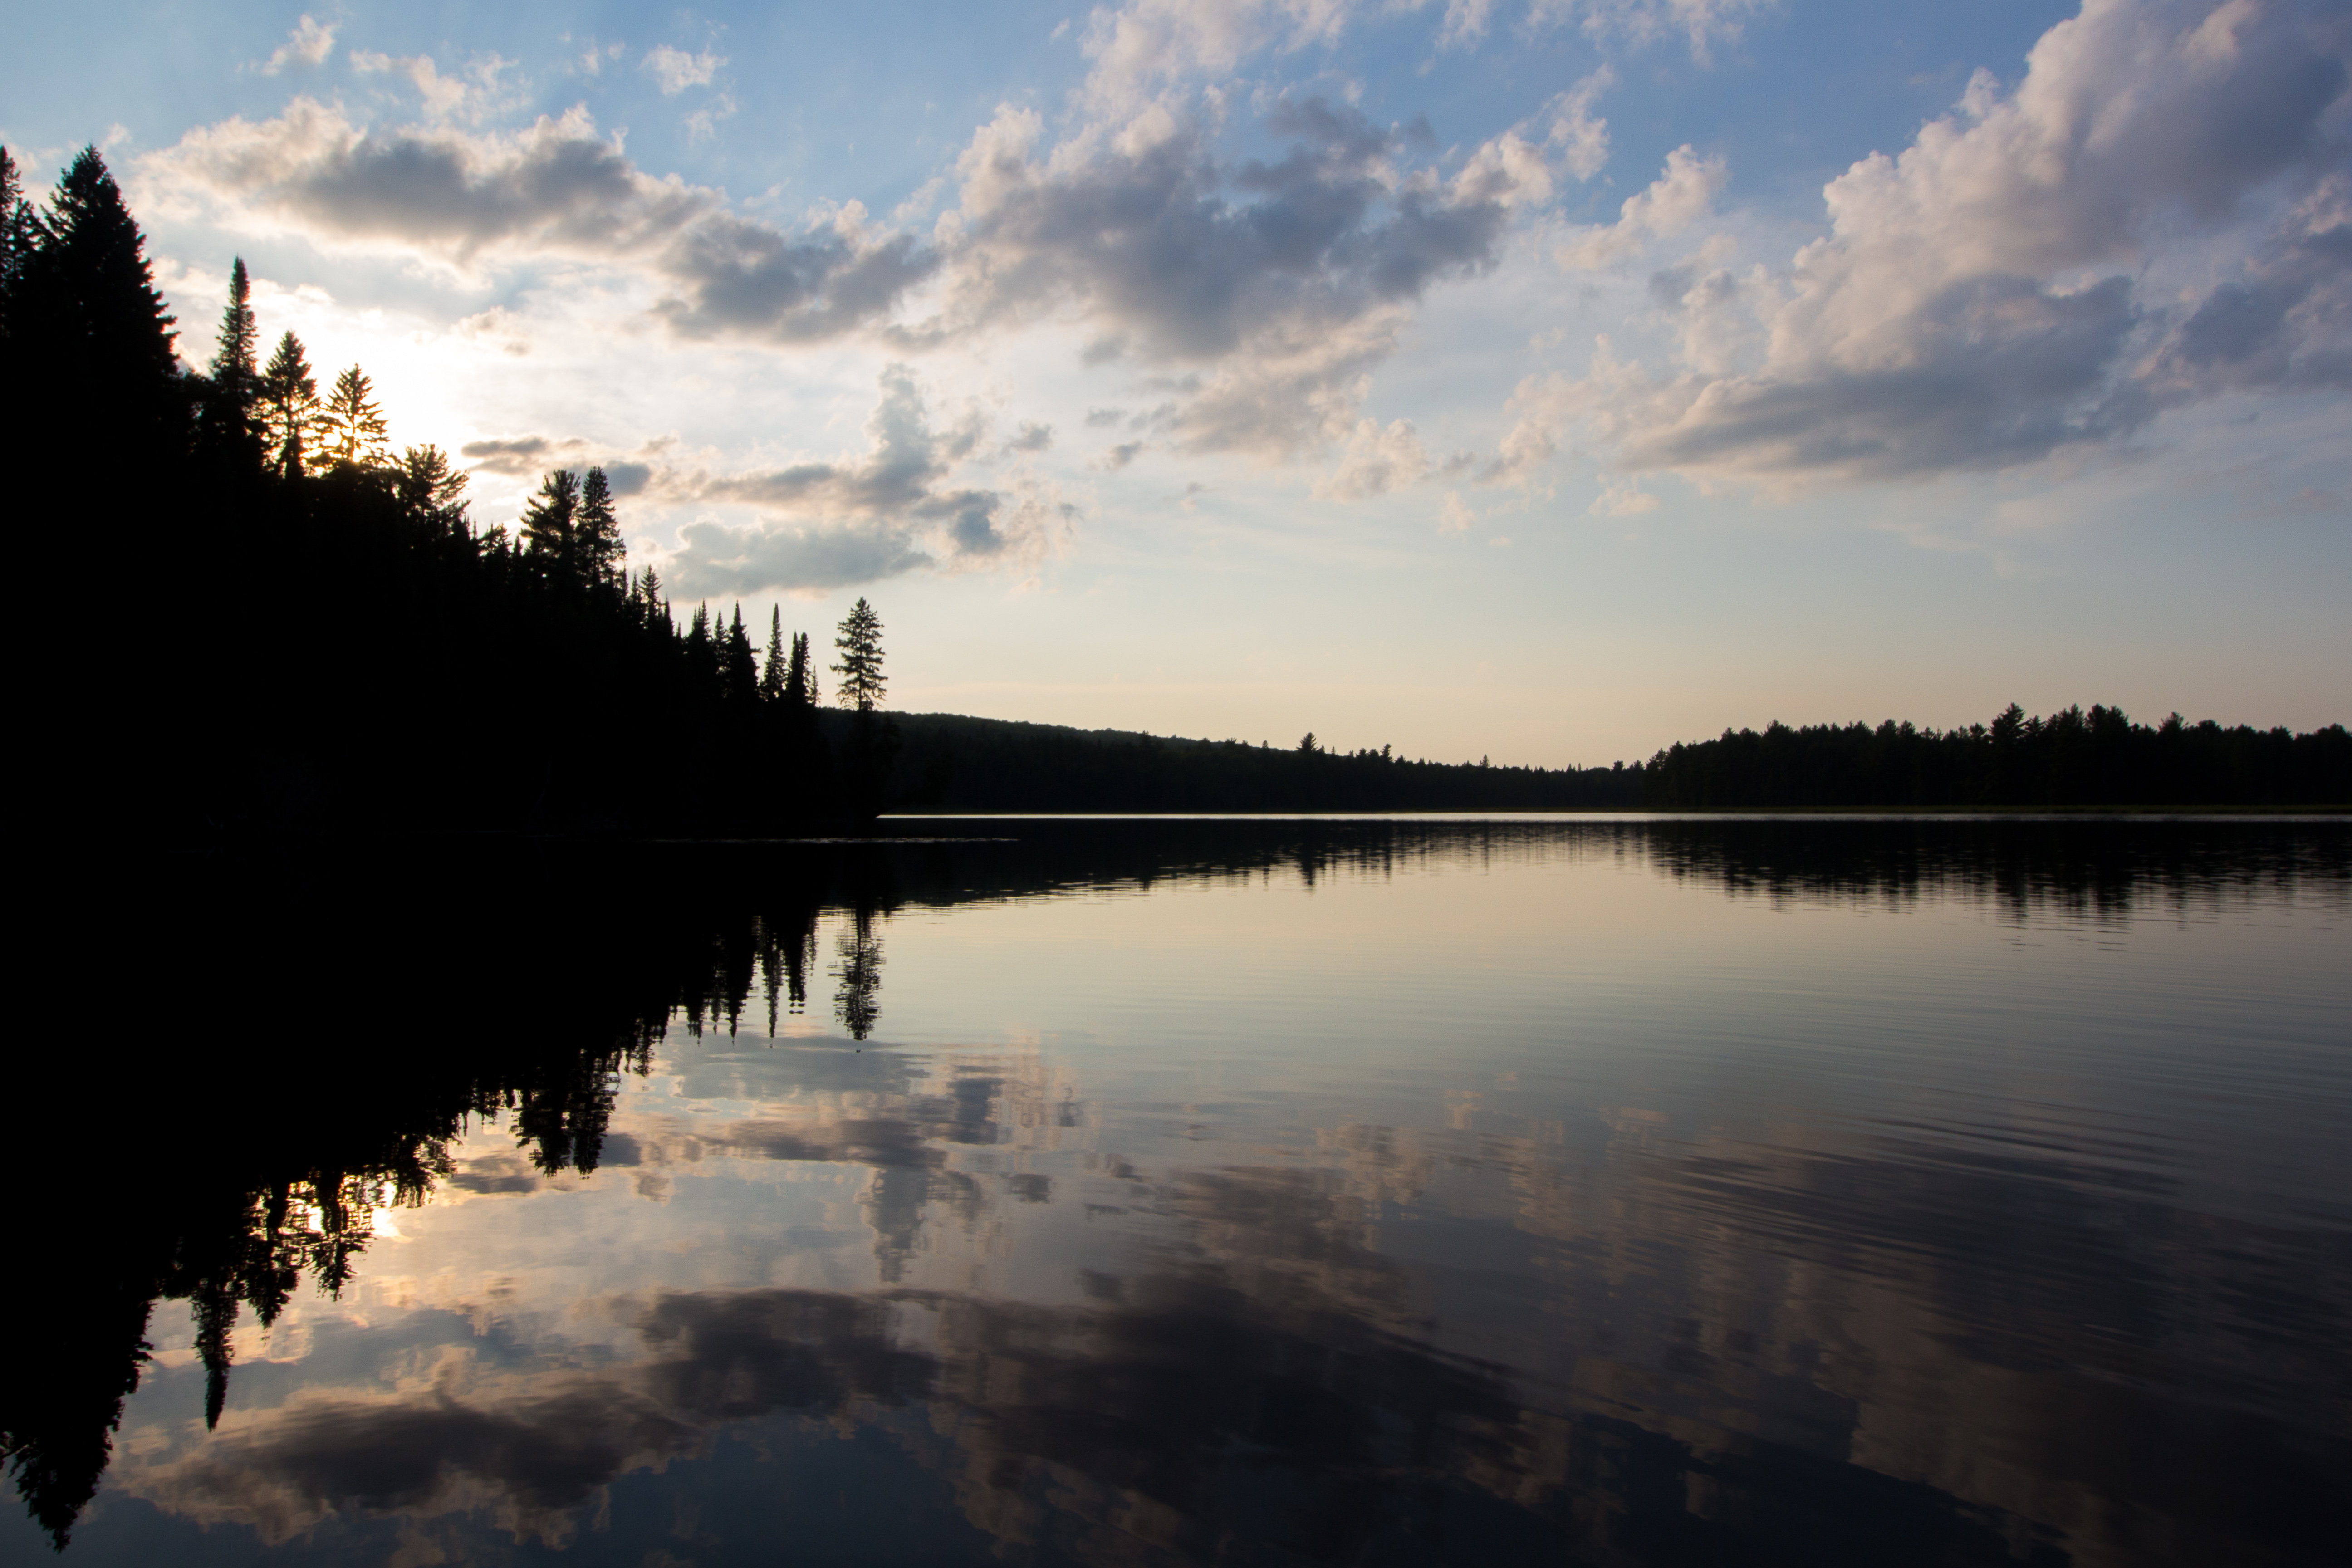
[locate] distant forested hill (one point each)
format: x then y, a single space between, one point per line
2072 758
946 762
2069 758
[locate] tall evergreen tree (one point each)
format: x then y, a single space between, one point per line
742 674
805 662
233 382
20 235
549 531
352 432
289 408
771 666
90 329
598 531
862 685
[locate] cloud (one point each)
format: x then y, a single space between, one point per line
1285 281
1033 437
1455 516
444 96
2157 214
1677 198
1465 23
675 70
1582 136
1702 23
1154 44
1375 461
309 44
1624 499
555 191
886 511
523 456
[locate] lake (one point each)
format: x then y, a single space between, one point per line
1246 1191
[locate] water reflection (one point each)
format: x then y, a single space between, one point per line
1590 1324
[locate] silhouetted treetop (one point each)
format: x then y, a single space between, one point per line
862 686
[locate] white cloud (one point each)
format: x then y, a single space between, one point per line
1375 461
1455 516
2157 214
888 510
444 96
1149 46
1622 499
310 44
1465 23
1582 136
555 191
1270 288
675 70
1702 23
1676 199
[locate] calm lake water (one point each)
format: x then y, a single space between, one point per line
1244 1191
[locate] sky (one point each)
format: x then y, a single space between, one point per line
1549 381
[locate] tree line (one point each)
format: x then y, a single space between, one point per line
326 638
322 637
2072 758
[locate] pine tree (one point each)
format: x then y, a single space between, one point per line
289 408
650 585
742 674
810 693
20 235
797 677
598 531
862 685
430 490
549 532
88 328
232 386
701 653
351 427
771 666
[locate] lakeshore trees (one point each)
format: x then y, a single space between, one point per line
346 648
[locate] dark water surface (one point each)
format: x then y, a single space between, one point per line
1245 1191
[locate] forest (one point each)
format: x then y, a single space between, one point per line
305 630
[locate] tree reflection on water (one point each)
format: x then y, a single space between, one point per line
1898 1360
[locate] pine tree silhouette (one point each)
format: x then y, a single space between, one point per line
797 690
771 666
742 674
550 525
231 425
862 685
85 309
20 234
430 490
352 426
598 531
289 408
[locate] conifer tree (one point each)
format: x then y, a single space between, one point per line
771 666
89 327
796 676
232 386
430 490
289 408
743 675
597 531
810 692
650 585
20 234
352 426
862 685
549 531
